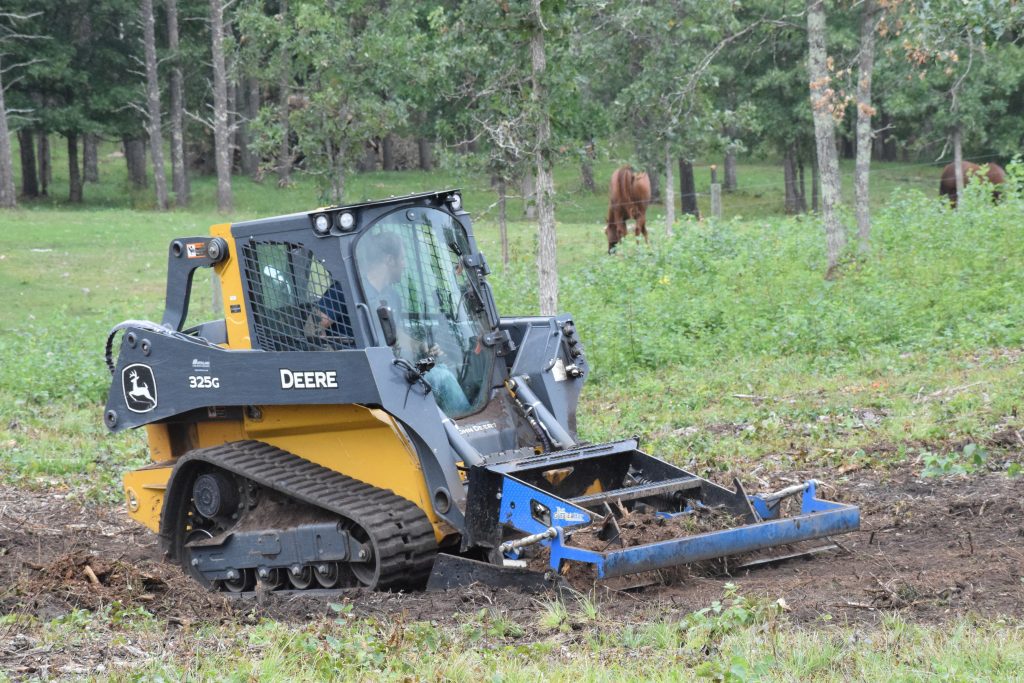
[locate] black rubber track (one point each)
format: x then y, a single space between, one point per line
403 536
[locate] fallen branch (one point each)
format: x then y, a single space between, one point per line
943 393
91 575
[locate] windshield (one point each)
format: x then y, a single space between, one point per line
411 262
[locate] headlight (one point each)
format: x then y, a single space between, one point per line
321 224
346 221
455 201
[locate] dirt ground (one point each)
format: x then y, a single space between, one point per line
932 549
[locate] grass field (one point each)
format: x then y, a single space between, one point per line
723 348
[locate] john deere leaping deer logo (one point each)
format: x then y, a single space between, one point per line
139 387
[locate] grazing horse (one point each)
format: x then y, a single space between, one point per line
629 194
947 186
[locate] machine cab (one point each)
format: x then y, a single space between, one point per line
402 274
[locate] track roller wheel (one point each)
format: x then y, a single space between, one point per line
243 580
328 574
270 579
301 579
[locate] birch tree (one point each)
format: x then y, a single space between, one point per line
547 262
156 138
8 194
822 108
221 131
9 34
865 110
179 164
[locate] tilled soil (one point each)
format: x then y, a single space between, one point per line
932 549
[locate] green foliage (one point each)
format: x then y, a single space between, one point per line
349 65
969 460
941 279
704 630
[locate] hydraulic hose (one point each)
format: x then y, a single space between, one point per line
536 413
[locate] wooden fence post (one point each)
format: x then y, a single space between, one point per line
716 193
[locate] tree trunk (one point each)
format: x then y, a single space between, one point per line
91 158
547 258
8 193
587 167
388 153
503 219
135 160
232 90
29 179
958 163
716 193
815 189
654 177
864 114
338 177
45 164
824 133
801 186
730 183
529 192
179 162
368 162
789 178
74 175
248 160
221 130
156 138
426 154
670 199
687 188
284 151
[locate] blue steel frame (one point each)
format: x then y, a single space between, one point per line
817 518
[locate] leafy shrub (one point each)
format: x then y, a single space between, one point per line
970 460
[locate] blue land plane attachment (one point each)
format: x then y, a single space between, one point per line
556 498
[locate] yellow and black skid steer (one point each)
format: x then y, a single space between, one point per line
359 414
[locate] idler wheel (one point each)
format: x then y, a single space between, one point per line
215 495
366 565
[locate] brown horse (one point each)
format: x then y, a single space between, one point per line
947 186
629 194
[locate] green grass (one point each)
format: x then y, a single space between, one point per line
737 638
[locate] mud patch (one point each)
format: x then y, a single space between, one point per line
932 549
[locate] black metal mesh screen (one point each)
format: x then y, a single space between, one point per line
296 304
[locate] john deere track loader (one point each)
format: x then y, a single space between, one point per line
360 414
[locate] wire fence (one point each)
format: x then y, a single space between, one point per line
770 195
